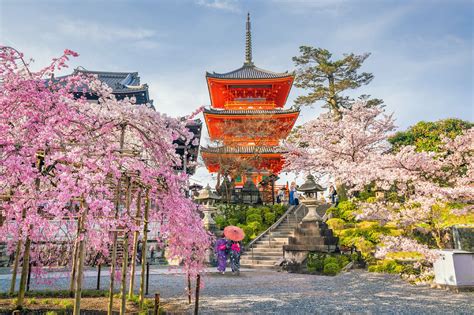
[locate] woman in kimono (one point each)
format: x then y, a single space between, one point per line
221 253
235 251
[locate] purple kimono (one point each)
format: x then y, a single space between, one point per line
221 252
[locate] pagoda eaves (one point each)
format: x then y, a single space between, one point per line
247 119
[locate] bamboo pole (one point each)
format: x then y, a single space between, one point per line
15 266
144 246
135 245
123 289
114 241
80 263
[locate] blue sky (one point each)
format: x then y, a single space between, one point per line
422 51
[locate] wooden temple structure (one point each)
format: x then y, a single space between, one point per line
127 84
247 120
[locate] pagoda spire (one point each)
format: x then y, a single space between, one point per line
248 43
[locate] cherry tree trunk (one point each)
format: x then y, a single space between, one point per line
114 241
80 266
24 272
15 266
144 246
72 283
135 247
123 287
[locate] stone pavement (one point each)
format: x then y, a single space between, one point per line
271 292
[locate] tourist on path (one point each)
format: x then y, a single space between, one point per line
221 249
333 194
234 249
296 196
291 199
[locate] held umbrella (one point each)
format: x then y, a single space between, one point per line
234 233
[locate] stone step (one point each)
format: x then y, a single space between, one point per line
258 266
273 238
264 256
270 244
269 263
264 250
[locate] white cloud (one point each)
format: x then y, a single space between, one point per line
101 32
226 5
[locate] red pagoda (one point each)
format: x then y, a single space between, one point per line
246 120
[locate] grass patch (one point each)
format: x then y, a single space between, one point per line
56 294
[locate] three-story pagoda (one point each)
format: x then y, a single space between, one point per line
247 120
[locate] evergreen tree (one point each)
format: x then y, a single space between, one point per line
326 79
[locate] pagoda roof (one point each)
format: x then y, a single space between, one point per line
249 71
120 82
250 111
244 150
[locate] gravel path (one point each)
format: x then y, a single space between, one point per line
270 292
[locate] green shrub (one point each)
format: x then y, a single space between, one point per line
315 262
387 266
270 218
330 260
220 221
255 211
336 223
347 210
254 218
233 221
331 269
343 260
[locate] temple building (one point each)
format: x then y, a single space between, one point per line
247 120
127 84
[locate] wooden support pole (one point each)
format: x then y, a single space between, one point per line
98 276
144 248
80 263
28 279
123 286
15 266
24 272
115 236
156 309
189 288
147 276
135 247
196 298
72 282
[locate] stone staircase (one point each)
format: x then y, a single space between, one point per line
267 248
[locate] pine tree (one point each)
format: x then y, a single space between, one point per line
326 79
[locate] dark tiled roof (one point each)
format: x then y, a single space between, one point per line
250 111
120 82
243 150
249 72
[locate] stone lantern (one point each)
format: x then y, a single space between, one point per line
207 198
250 192
310 190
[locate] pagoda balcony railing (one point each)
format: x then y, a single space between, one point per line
254 103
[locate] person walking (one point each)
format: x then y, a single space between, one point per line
291 199
221 253
296 196
333 195
235 251
280 196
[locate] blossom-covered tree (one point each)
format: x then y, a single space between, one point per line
421 186
68 160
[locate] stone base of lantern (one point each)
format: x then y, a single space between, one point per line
310 236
